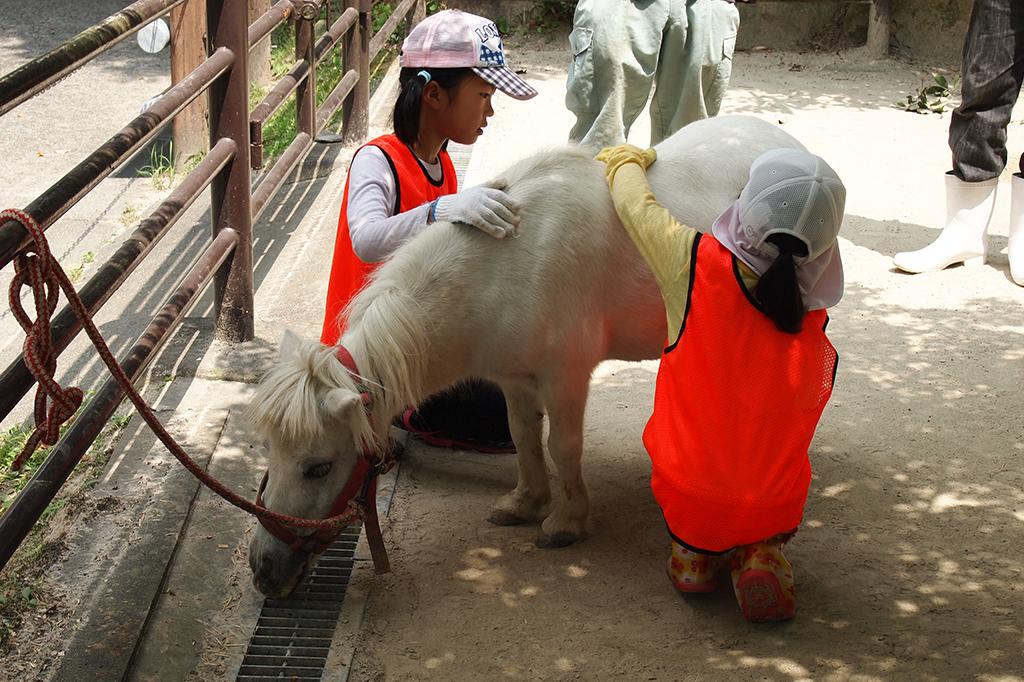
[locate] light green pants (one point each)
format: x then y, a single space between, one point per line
622 47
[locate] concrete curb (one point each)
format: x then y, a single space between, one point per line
159 587
127 564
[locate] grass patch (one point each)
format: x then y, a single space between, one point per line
130 215
191 162
22 585
75 273
280 129
11 444
160 169
930 99
93 461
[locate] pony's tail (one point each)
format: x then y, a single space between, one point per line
778 290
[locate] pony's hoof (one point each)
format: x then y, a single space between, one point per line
500 517
555 540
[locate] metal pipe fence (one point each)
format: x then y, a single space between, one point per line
235 150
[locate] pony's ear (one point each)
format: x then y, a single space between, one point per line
290 342
339 403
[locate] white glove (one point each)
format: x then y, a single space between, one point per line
485 208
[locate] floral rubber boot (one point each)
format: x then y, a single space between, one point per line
692 571
763 580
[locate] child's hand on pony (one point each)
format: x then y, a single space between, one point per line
488 209
615 158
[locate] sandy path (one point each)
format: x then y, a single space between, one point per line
905 564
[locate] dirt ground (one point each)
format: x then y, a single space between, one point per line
905 563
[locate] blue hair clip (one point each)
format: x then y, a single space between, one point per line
426 76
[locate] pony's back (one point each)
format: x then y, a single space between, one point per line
571 278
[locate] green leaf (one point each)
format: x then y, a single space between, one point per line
26 593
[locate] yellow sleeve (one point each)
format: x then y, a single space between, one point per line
664 242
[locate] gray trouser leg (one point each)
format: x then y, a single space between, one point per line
695 65
615 46
993 69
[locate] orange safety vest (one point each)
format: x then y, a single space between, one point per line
735 408
414 188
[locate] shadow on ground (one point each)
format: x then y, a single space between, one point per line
905 561
29 30
195 336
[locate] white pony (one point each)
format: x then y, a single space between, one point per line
534 314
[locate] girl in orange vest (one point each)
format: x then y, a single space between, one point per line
747 369
398 184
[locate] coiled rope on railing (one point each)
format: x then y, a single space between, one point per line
37 268
34 266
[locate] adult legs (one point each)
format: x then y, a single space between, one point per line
695 64
1016 245
615 46
993 69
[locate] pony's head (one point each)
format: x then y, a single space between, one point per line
310 411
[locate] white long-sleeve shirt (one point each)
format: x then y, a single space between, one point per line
373 225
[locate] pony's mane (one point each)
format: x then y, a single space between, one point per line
389 311
289 401
390 319
562 158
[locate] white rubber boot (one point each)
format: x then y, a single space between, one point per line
963 240
1016 248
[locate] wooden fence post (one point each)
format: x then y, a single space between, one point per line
231 190
259 55
879 27
188 50
355 116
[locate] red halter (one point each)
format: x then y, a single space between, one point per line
358 498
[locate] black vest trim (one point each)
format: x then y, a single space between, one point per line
690 547
689 291
743 287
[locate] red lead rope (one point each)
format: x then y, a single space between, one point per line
44 274
39 270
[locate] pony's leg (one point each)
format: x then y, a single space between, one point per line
532 495
566 401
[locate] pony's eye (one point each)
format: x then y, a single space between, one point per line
318 470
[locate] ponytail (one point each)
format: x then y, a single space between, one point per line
778 291
412 80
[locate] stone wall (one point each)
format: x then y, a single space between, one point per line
927 30
931 30
803 24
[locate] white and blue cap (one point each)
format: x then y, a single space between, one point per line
455 39
794 192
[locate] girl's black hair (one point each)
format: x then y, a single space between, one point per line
778 291
407 108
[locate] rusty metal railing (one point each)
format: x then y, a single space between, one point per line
38 74
235 150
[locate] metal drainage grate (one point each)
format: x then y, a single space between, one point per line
293 635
